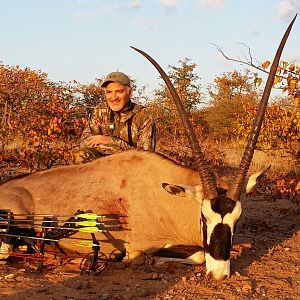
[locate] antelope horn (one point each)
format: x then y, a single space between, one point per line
236 188
207 179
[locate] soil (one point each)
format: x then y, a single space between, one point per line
265 265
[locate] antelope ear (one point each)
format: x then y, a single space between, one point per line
182 190
254 179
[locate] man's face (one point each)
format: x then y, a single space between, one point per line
117 95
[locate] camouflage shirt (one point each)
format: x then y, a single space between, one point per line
131 128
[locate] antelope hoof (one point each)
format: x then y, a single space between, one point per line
5 250
136 258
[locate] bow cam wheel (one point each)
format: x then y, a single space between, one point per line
92 263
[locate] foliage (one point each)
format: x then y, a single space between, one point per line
280 129
286 186
187 85
88 95
39 122
229 94
287 79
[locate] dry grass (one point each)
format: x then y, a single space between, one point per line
229 155
281 163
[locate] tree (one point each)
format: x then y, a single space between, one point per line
187 86
280 129
186 82
38 118
229 94
88 96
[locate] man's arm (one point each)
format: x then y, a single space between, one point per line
93 137
106 144
147 134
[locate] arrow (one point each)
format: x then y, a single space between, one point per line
89 216
88 229
83 243
92 216
82 223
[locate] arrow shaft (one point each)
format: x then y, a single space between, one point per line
82 223
88 229
83 243
89 216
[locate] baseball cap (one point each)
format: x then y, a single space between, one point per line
118 77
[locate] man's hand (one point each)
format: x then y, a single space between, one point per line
97 140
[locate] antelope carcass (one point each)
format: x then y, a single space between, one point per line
130 184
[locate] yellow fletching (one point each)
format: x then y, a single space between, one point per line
87 223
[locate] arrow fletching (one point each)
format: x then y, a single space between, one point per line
88 223
88 216
91 229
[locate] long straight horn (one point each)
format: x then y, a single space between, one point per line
235 190
207 179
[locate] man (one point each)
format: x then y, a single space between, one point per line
117 125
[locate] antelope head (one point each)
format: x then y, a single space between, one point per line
221 209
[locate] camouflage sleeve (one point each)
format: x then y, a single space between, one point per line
93 127
147 134
115 146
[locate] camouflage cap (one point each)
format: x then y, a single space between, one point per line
118 77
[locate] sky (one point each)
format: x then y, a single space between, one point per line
85 39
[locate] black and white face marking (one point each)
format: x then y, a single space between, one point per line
218 220
219 217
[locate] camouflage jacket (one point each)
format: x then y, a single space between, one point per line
132 128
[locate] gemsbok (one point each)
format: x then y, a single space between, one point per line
141 187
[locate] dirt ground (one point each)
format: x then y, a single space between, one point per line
265 265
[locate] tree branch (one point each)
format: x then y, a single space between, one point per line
248 63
